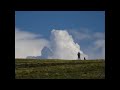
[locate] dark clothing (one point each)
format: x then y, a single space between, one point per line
78 55
84 58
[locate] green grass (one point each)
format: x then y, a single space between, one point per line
59 69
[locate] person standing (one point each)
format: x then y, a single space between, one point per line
84 58
78 55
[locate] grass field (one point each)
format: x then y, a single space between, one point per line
59 69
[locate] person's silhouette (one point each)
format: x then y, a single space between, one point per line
84 58
78 55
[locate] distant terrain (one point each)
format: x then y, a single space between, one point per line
59 69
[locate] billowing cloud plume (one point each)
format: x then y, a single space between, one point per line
63 45
60 46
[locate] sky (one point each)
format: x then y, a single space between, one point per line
86 27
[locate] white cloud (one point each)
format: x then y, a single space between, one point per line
96 48
64 46
25 35
27 44
61 45
79 35
100 45
99 35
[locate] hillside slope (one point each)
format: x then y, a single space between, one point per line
59 69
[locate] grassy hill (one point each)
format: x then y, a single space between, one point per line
59 69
